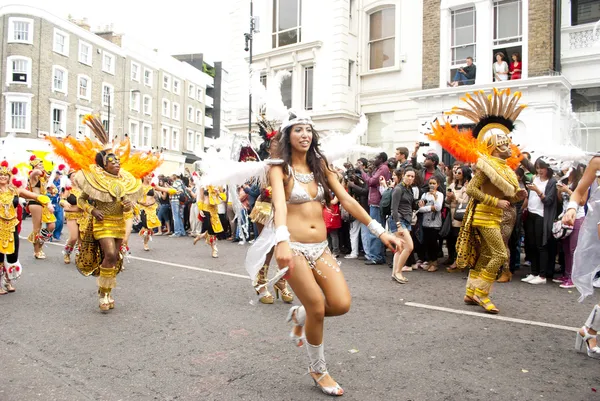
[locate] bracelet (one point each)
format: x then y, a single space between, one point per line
282 234
376 228
572 205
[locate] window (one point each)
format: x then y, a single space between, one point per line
190 114
134 101
382 38
147 105
58 119
175 112
107 91
61 42
146 135
135 72
18 71
84 87
507 22
82 130
166 82
584 11
200 94
176 85
463 35
108 63
166 109
350 72
286 92
18 112
148 77
191 91
308 87
263 79
286 22
105 125
20 30
198 141
175 139
134 132
164 138
198 116
190 140
85 53
59 79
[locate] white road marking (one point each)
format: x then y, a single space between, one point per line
200 269
488 316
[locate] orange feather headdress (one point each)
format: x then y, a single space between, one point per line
81 154
494 117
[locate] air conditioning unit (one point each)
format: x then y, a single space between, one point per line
19 77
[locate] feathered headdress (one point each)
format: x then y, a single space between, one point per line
493 115
81 154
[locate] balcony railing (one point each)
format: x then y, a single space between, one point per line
208 101
208 122
580 40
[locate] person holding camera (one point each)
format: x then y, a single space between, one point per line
376 251
429 168
359 190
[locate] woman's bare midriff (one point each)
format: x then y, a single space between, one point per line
305 223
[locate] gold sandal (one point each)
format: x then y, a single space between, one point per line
104 302
486 303
286 295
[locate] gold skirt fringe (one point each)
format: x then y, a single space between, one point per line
7 236
109 227
261 214
487 216
152 220
47 215
90 254
73 216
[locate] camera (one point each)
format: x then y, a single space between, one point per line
423 143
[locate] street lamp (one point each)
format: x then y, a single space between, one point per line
248 36
108 122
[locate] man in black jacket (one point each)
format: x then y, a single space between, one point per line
428 169
465 75
359 190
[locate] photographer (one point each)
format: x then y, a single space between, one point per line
359 190
429 169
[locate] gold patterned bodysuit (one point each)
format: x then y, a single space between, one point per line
79 215
480 244
8 221
152 220
47 215
211 200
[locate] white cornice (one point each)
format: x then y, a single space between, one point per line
280 51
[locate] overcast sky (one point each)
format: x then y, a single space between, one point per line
172 27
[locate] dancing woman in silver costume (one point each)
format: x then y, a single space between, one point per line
301 186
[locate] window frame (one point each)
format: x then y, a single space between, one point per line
192 90
193 134
176 111
275 25
86 132
11 30
10 98
305 88
370 41
506 42
168 112
198 141
574 20
113 66
10 71
88 96
151 77
200 94
64 113
143 136
149 112
139 69
190 107
456 63
135 101
90 49
175 139
65 51
176 86
166 85
65 84
165 142
134 140
198 116
111 91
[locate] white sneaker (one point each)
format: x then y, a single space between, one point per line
537 280
350 256
528 278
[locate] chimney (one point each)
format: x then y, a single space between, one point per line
82 23
108 34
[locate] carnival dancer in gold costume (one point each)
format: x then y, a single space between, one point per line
10 191
494 187
110 182
73 215
147 209
37 183
208 199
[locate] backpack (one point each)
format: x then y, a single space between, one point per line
386 203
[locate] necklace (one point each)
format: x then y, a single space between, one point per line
305 178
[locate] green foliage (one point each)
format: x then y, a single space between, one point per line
208 69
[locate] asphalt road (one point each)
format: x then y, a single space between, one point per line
183 329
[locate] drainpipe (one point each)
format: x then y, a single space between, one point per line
557 35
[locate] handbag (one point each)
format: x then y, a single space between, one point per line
446 226
459 213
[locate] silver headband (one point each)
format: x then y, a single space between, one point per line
299 119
